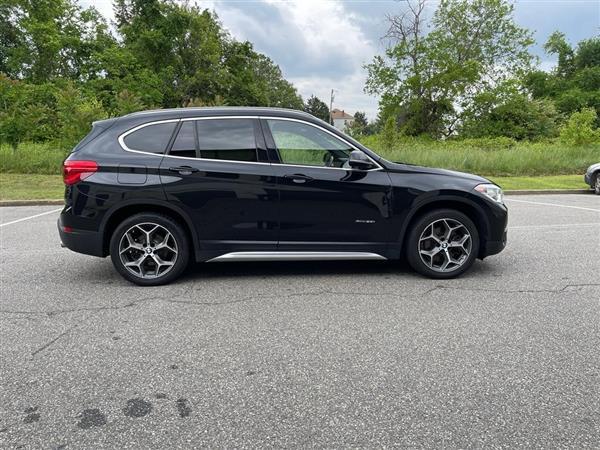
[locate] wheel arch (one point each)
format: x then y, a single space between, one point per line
461 204
115 216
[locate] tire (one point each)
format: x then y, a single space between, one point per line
434 247
149 249
597 184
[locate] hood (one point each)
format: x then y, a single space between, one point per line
403 168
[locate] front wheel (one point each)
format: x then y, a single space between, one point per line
597 184
149 249
442 244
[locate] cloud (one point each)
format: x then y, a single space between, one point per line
319 45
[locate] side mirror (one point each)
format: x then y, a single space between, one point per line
358 160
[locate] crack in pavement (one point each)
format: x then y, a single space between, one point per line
513 291
52 341
181 300
286 295
57 312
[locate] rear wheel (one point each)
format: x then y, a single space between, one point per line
442 244
149 249
597 184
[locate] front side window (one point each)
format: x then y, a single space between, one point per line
228 139
152 138
302 144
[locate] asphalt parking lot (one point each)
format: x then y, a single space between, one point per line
333 354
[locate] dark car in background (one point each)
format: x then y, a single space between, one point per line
157 189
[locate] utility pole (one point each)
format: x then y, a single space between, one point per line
331 98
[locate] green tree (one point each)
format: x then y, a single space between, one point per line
194 58
44 40
557 45
254 80
427 78
360 126
360 119
575 82
66 68
127 102
315 106
278 92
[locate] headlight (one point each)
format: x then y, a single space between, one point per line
491 191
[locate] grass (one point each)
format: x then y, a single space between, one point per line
499 157
492 157
31 187
50 187
30 157
547 182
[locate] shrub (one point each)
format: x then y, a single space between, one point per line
579 129
76 113
389 135
518 118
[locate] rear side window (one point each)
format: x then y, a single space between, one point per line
152 138
185 142
228 139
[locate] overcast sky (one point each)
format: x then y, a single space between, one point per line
323 44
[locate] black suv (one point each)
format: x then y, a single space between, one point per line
155 189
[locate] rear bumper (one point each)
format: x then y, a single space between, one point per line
81 241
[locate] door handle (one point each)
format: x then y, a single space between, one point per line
183 170
298 178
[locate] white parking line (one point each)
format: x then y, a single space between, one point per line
30 217
552 204
561 225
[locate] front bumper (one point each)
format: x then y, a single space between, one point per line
494 247
81 241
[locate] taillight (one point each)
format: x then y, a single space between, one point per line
75 171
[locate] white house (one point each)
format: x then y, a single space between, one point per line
341 119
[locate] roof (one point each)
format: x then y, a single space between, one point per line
221 110
340 114
141 117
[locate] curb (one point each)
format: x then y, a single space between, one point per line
548 191
30 202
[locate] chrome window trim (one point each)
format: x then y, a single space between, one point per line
122 137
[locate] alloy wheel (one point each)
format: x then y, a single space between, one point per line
445 245
148 250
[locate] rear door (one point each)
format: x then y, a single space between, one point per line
217 171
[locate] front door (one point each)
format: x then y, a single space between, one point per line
217 172
324 204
